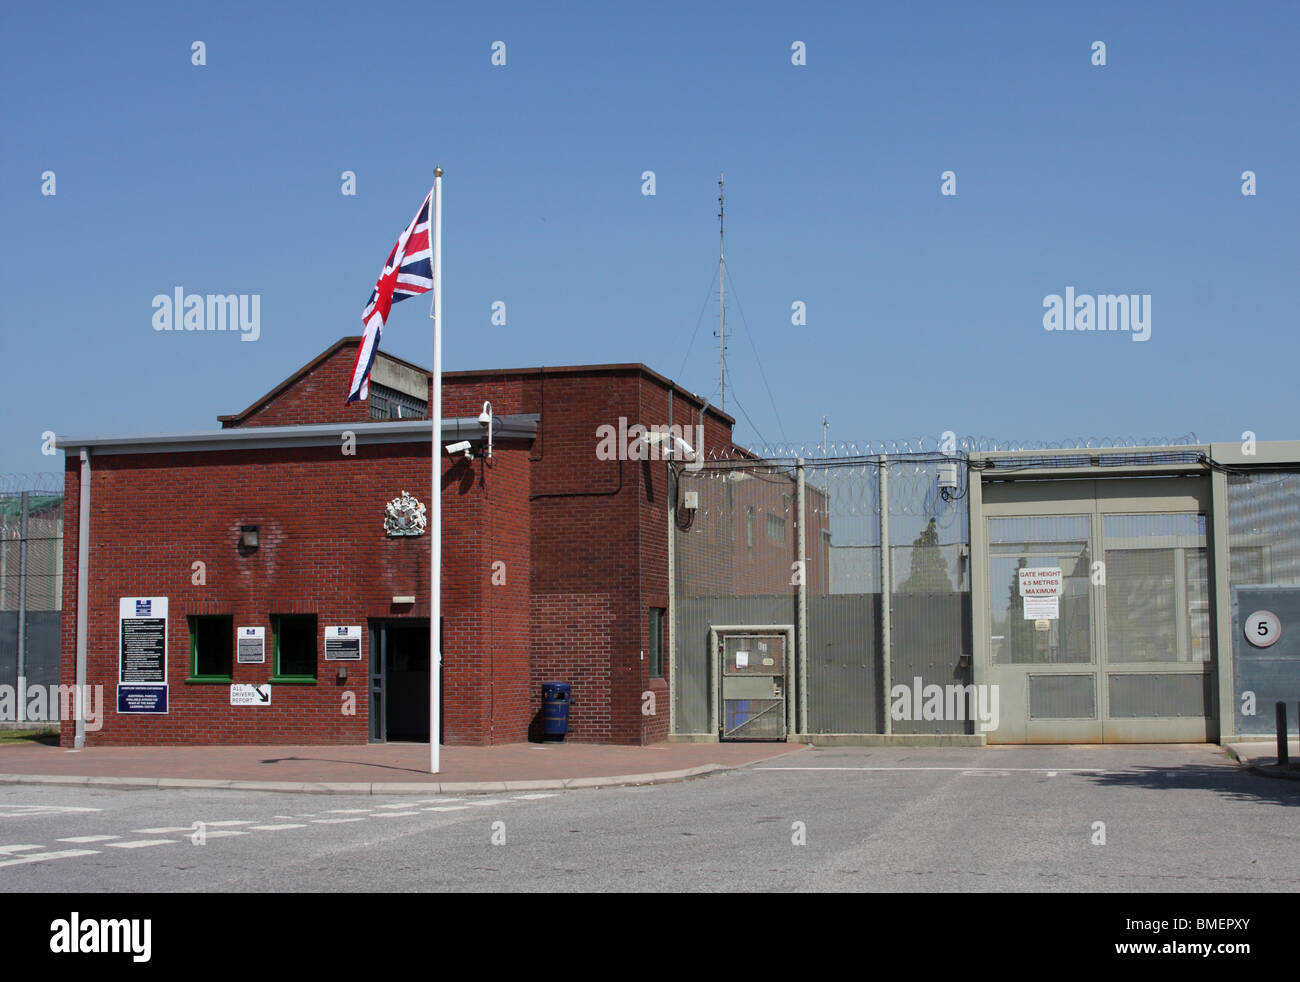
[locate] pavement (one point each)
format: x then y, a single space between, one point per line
391 768
1260 757
403 768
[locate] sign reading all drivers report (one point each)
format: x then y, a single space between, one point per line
142 655
343 643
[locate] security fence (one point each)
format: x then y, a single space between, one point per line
31 580
863 554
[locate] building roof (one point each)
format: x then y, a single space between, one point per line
486 373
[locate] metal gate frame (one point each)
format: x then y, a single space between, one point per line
1067 491
715 669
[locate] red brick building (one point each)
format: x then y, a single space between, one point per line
270 533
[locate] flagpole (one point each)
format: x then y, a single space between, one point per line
435 509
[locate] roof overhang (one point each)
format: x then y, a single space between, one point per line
520 426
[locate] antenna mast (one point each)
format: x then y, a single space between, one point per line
722 306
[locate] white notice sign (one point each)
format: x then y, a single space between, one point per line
250 695
250 645
742 659
1042 609
1041 581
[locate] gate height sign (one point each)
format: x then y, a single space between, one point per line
1041 587
142 655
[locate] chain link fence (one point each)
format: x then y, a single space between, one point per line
31 579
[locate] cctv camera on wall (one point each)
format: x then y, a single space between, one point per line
461 447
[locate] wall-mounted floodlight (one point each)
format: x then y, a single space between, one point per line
248 536
485 417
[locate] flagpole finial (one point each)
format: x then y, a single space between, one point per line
437 172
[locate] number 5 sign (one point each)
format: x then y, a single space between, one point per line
1262 628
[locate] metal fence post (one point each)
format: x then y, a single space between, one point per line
1282 756
22 610
886 591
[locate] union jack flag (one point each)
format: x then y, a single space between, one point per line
407 273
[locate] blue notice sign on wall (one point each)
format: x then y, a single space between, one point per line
142 699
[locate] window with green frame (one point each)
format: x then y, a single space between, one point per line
656 642
211 647
295 646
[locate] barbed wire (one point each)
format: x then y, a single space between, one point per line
34 482
948 444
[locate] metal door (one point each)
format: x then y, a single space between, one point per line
753 685
1126 653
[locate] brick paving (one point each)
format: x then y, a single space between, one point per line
392 762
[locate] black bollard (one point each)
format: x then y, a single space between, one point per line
1282 757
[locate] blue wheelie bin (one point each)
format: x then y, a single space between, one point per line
555 710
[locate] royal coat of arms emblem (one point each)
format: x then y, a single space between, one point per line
405 516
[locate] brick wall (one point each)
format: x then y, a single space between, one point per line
322 551
552 558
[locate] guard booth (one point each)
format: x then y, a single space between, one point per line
750 668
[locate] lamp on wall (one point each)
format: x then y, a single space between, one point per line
248 536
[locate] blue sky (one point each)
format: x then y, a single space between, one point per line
924 311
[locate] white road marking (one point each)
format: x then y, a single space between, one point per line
1051 773
534 797
40 857
348 811
90 838
23 811
393 814
217 833
446 808
165 830
490 801
335 821
9 850
215 825
273 828
404 804
140 843
1027 770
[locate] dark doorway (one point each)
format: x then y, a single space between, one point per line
399 689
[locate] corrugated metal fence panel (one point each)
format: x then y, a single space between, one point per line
1269 674
43 642
931 633
844 664
1264 551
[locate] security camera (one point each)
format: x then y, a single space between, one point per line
461 447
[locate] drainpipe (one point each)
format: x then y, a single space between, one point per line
672 583
801 643
83 574
886 591
22 610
